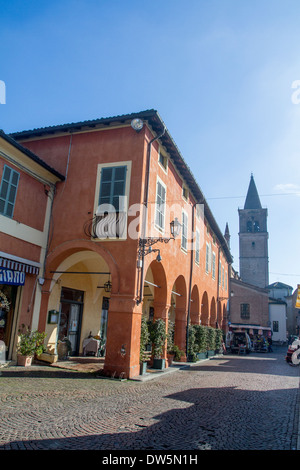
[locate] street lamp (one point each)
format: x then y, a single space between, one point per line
145 244
145 248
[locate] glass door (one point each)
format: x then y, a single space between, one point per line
70 318
103 325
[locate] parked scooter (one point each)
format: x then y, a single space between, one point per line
293 353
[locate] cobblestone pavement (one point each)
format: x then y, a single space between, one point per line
230 402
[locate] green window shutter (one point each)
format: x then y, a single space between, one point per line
113 183
8 191
160 205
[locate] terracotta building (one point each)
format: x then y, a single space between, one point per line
27 186
249 308
112 255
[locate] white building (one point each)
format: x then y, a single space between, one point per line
277 315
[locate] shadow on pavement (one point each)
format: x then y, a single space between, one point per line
272 363
205 419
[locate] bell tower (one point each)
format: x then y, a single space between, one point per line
253 240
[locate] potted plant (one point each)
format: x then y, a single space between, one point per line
192 346
170 342
201 341
178 354
158 336
219 341
144 340
211 341
29 344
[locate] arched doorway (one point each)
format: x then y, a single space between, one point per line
213 313
79 290
195 306
179 311
219 315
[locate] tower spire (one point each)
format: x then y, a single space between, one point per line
227 235
252 199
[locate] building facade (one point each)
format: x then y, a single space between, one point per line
253 240
249 308
278 306
293 314
112 256
27 186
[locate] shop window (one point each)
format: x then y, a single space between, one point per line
8 191
8 295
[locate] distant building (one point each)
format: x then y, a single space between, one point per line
279 290
293 315
249 307
278 310
278 319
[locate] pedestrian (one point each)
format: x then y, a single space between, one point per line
269 340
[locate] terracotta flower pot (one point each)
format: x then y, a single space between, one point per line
24 361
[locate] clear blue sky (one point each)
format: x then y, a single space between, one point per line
219 72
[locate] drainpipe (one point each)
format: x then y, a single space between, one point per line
191 276
145 211
190 282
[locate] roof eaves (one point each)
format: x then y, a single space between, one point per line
155 121
77 126
30 154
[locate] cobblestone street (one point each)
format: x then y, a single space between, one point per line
230 402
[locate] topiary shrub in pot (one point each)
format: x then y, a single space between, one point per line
178 353
144 340
170 342
192 346
219 341
158 336
211 341
201 341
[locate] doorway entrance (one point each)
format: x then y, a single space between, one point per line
103 325
8 296
71 307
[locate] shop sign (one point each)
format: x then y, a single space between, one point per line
12 278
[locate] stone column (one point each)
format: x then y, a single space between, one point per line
123 337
